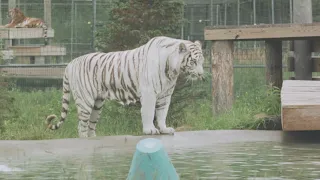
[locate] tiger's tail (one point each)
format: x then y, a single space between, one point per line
45 33
65 105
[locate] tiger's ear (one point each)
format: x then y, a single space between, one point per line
182 48
198 43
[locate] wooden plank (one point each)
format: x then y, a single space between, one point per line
274 62
24 33
33 72
300 104
36 51
47 15
222 76
262 32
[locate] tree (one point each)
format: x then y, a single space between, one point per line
132 23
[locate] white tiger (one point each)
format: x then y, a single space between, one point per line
147 74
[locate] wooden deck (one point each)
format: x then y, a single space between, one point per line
300 105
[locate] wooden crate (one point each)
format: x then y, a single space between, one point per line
300 105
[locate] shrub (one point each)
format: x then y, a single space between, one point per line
7 109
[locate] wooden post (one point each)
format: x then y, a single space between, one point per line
47 15
47 12
274 62
302 13
11 4
47 20
222 76
8 43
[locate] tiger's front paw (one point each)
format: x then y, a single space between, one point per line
167 130
151 131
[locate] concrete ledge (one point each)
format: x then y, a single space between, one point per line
123 145
126 144
24 33
34 51
34 72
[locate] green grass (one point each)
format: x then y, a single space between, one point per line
190 110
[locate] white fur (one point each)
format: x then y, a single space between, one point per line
152 68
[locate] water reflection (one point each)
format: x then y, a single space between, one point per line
245 160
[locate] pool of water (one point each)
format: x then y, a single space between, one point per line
195 155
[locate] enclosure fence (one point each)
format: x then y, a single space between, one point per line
73 23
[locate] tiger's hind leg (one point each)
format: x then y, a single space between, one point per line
84 114
95 116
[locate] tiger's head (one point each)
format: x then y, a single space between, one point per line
16 15
192 61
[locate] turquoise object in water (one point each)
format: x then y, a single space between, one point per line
151 162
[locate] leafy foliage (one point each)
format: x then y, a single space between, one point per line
133 23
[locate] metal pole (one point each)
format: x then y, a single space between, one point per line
72 23
238 11
182 29
211 13
225 13
75 26
94 4
192 23
254 20
291 14
182 24
254 12
0 12
217 14
272 11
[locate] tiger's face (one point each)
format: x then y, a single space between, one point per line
14 13
192 64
